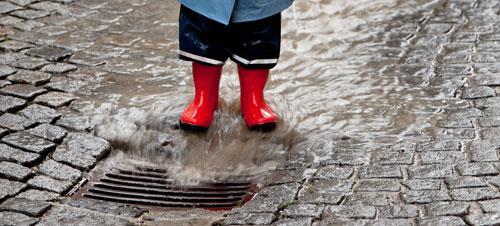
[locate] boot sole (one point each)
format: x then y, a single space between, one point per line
192 128
266 127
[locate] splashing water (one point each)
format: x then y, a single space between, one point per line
228 151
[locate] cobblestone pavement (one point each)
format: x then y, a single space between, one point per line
50 51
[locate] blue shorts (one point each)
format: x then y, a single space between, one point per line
254 44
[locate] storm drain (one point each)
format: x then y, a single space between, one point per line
152 187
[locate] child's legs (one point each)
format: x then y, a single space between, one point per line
256 48
201 39
256 44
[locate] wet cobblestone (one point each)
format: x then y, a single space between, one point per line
14 171
51 50
33 208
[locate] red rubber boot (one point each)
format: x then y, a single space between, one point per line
199 114
257 114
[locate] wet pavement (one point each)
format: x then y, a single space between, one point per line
391 114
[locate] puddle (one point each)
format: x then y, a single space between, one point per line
346 77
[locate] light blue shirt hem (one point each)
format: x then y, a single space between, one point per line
235 11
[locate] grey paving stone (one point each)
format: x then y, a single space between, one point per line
341 221
15 122
489 121
311 194
455 123
348 157
54 30
9 20
423 184
269 199
460 133
3 131
398 211
461 113
391 222
249 218
307 221
465 182
487 102
86 60
430 171
371 198
50 6
380 171
6 7
483 151
51 53
13 45
490 206
40 114
483 219
55 99
477 169
49 184
22 2
10 188
8 103
86 143
492 111
67 85
49 132
28 142
494 180
30 14
13 218
6 70
28 25
113 208
283 176
75 123
486 80
14 171
473 194
334 172
76 159
493 132
59 171
444 220
7 58
475 92
22 90
32 77
441 157
393 157
29 63
351 211
374 185
303 210
8 153
65 215
433 28
34 194
425 196
34 208
324 191
4 83
448 208
59 68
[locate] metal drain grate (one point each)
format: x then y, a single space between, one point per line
151 187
